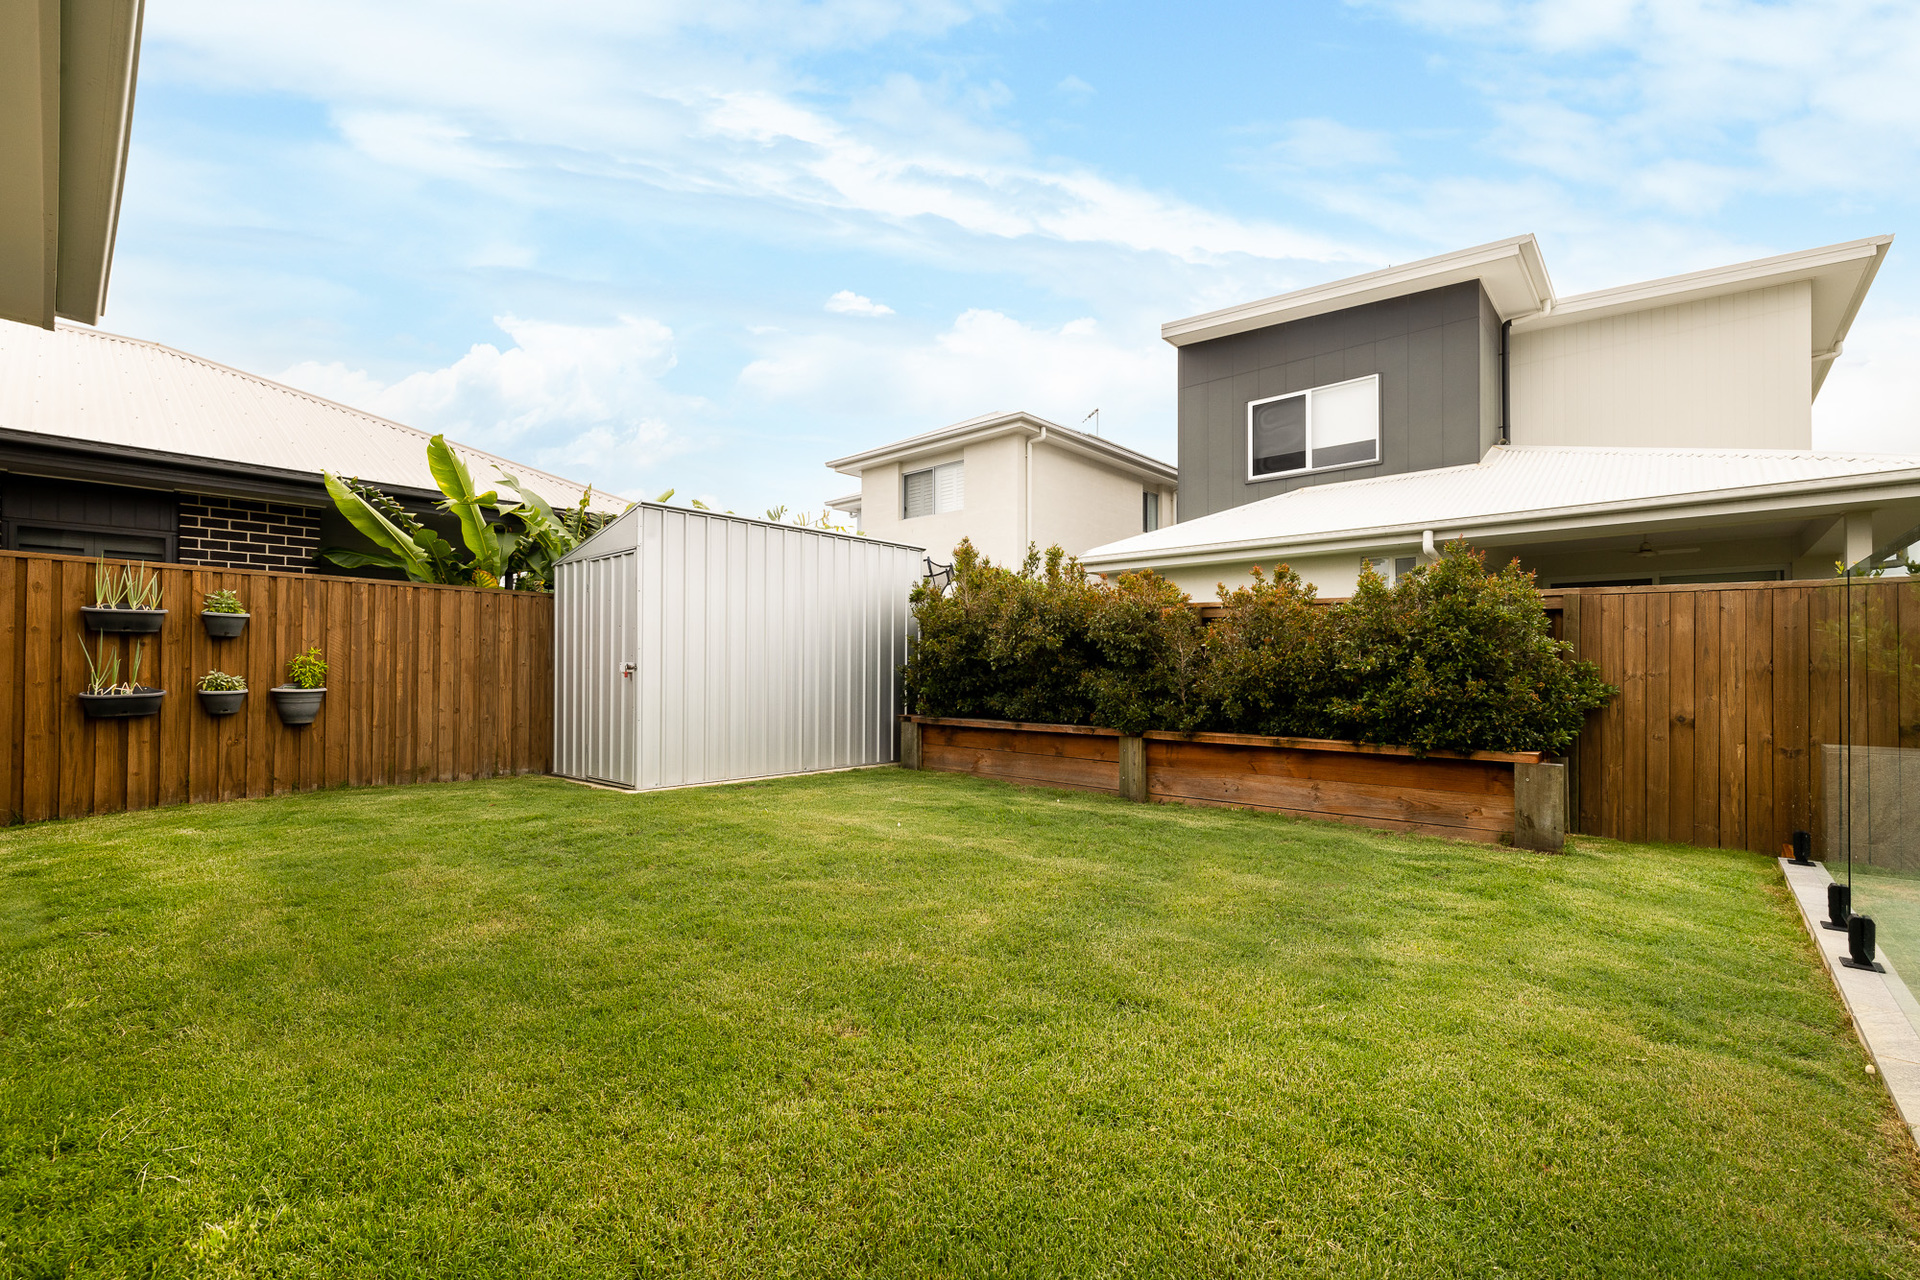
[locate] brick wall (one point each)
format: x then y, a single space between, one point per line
236 533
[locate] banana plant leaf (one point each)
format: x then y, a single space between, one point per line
350 559
410 556
451 474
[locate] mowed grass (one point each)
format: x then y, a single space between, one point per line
897 1024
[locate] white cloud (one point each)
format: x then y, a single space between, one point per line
897 384
1075 87
848 303
579 400
648 97
1328 144
1871 400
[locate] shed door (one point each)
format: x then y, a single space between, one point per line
609 678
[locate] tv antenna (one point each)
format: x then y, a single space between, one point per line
1094 417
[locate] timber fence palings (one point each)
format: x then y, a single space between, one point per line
424 683
1728 692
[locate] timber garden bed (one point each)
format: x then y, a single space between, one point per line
1484 796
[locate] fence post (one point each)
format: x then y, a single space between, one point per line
1133 768
909 743
1540 806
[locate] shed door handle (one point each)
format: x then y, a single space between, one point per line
627 670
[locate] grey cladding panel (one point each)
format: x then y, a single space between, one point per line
1427 349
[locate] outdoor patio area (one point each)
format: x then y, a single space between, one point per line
893 1023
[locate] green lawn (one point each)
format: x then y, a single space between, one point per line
896 1024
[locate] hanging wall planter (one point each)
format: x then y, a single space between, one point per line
224 626
123 621
125 603
139 701
222 702
296 706
222 694
223 615
298 701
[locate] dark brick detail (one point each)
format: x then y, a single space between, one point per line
234 533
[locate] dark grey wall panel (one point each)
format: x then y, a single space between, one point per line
1435 353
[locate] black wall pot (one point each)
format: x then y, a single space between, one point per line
123 622
223 626
122 706
296 706
222 702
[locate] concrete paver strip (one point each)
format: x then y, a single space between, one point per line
1884 1011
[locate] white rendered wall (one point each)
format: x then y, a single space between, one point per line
1733 372
1080 503
990 516
1333 576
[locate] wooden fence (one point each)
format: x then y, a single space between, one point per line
424 684
1728 695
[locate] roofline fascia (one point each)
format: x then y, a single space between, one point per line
1754 500
1731 278
1247 316
962 434
30 452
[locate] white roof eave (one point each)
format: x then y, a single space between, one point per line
1808 497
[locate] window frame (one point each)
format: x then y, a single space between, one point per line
1306 393
1149 505
933 482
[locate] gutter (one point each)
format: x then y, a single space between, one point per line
1841 491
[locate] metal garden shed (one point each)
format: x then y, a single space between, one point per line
693 646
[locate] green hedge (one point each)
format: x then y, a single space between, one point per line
1451 658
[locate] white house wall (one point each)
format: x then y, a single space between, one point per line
757 650
1078 503
1723 373
990 514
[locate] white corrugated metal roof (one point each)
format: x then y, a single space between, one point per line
1512 484
87 385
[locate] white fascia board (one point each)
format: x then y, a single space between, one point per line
851 502
1847 262
975 430
1117 457
1512 272
972 431
1808 498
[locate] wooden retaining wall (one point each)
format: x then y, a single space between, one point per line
1465 797
1728 694
425 684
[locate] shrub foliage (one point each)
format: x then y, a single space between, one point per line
1451 658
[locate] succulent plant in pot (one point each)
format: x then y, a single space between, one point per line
298 700
223 615
126 601
222 694
108 697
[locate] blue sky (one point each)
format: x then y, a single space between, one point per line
710 245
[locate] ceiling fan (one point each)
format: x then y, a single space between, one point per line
1648 549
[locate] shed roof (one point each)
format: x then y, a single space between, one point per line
1520 488
81 384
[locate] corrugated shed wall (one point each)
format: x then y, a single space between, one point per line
757 650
